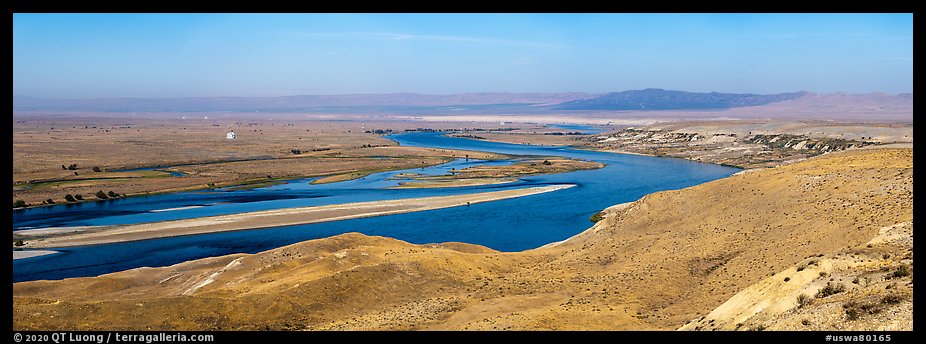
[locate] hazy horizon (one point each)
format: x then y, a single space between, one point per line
438 94
86 56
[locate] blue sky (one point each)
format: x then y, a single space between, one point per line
189 55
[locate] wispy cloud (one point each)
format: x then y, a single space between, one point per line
392 36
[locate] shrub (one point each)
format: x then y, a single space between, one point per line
97 169
891 299
19 203
79 197
787 279
101 195
18 243
855 310
902 271
547 162
69 198
49 201
72 167
852 310
64 167
831 289
596 217
805 322
804 300
112 194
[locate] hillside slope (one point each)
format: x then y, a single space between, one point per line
861 288
657 263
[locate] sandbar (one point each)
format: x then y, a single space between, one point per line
452 183
31 253
272 218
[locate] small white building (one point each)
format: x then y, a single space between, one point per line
231 135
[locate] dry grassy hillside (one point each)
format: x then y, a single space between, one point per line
657 263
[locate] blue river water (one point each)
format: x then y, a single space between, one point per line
506 225
156 168
584 129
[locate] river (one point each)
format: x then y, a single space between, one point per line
507 225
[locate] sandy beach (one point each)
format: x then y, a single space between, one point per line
267 218
30 254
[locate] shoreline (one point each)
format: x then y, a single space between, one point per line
269 218
452 183
613 151
256 182
618 151
32 253
617 208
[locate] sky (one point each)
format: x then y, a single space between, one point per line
207 55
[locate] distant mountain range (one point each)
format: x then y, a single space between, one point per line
660 99
368 102
636 101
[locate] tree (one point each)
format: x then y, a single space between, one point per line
101 195
18 243
97 169
547 162
79 197
49 201
69 198
112 194
19 203
72 167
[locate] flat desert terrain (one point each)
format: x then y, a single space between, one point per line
44 147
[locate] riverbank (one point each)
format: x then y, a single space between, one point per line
746 144
453 183
488 174
261 219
